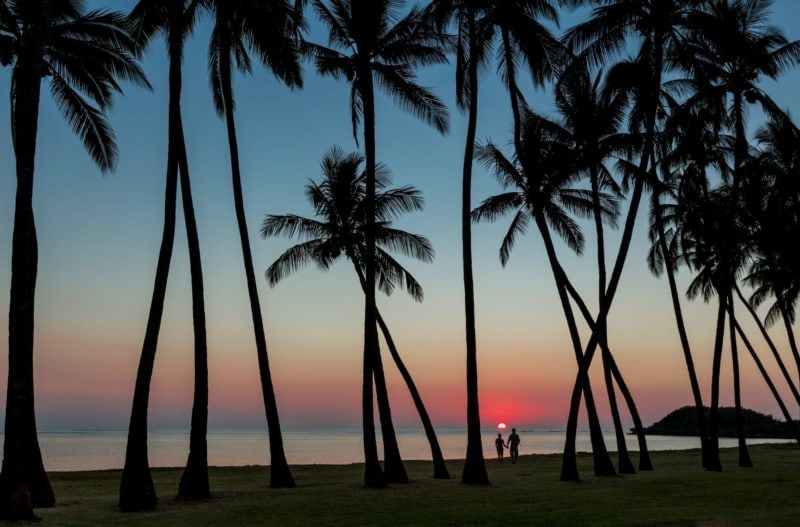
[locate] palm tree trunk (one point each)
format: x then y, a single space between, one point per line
771 344
513 92
770 384
569 468
439 466
625 463
602 461
684 338
280 475
373 475
645 463
474 472
744 455
714 463
23 480
136 491
392 461
194 481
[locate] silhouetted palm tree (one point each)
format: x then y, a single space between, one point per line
83 56
730 47
522 42
657 24
691 145
339 203
592 114
773 273
714 244
542 191
270 30
175 18
371 42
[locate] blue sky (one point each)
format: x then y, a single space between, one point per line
99 237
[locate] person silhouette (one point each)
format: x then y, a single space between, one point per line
513 445
500 445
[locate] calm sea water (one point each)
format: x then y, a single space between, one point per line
67 450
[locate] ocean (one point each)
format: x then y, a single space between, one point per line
98 449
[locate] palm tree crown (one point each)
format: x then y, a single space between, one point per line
386 46
338 202
83 55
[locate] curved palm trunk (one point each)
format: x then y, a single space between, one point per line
625 463
439 466
392 461
602 461
569 471
474 472
714 463
770 384
136 491
684 338
280 475
744 455
194 481
373 474
771 345
513 92
23 480
645 463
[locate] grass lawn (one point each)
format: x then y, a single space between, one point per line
527 493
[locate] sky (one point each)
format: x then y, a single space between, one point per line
99 237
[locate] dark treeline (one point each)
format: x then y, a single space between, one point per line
652 103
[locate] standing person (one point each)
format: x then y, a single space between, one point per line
513 445
500 446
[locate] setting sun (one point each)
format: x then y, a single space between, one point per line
501 426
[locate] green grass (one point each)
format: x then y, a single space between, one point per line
528 493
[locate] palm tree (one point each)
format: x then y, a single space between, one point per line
523 42
657 24
269 29
714 243
592 114
370 41
773 273
542 191
175 19
692 143
83 55
339 203
729 49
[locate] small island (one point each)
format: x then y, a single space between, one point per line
683 422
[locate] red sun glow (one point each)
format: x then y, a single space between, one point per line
501 426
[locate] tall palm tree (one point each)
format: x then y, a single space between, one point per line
522 42
270 30
714 243
657 25
338 202
542 191
370 41
83 56
773 273
730 47
592 114
692 144
175 18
